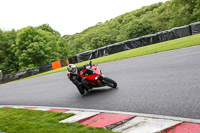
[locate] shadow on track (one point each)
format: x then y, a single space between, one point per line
100 91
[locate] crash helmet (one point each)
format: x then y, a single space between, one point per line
72 68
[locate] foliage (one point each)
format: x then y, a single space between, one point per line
144 21
47 28
35 47
8 62
31 47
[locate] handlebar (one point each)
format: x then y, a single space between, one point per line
90 63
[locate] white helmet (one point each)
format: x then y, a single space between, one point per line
71 68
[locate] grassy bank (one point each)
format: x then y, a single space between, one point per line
150 49
35 121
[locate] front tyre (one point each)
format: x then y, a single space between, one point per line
81 90
109 82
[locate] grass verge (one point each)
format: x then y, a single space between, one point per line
150 49
35 121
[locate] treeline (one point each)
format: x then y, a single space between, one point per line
147 20
31 47
36 46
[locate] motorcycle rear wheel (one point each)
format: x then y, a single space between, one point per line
109 82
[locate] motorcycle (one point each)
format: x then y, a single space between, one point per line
92 77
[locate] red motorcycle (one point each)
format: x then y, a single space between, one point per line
92 77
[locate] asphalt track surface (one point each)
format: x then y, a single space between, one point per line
166 83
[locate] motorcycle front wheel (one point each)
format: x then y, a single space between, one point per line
109 82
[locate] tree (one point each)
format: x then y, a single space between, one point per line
135 29
2 56
100 41
35 47
185 12
47 28
161 17
65 49
9 62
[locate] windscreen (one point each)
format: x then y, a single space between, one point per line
89 71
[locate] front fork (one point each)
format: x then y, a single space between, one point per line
101 80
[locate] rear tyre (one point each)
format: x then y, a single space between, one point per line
109 82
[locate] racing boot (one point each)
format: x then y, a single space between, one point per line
80 88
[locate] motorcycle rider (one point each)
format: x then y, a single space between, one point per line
75 76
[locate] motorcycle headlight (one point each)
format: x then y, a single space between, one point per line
97 77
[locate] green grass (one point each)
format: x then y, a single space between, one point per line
35 121
150 49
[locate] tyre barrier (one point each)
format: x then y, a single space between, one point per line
31 72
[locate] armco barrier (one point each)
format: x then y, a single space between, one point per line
19 75
138 42
130 44
62 63
195 28
146 40
88 55
182 31
45 68
154 39
31 72
166 35
103 51
73 60
117 47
